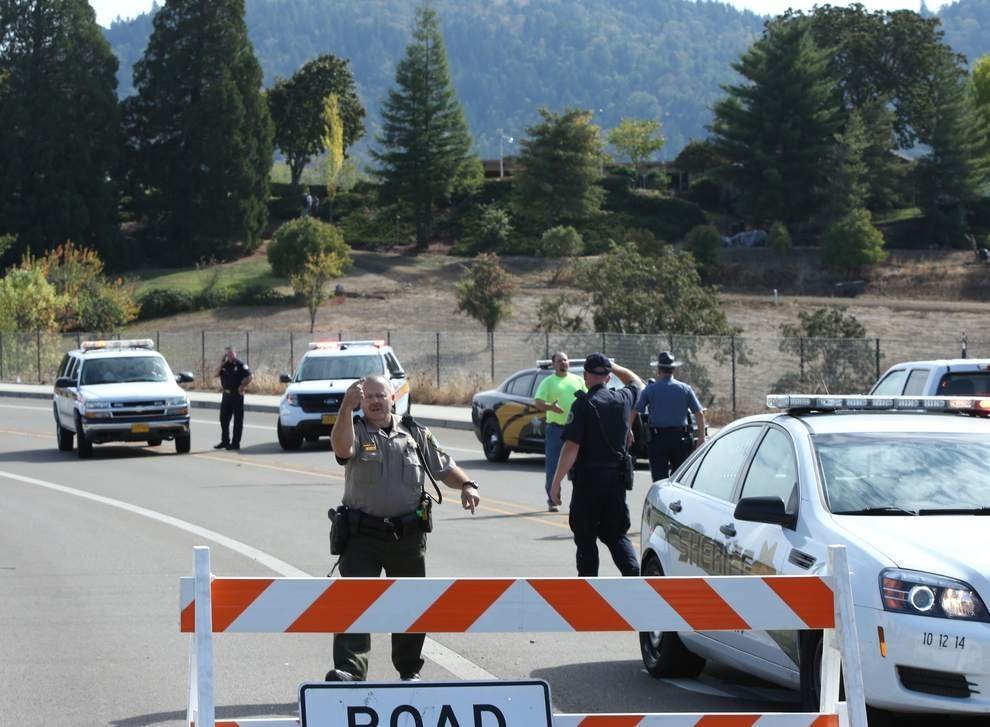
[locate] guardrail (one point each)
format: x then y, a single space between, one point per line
211 605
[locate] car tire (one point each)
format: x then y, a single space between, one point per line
810 655
155 442
491 441
63 436
84 447
183 443
664 654
287 439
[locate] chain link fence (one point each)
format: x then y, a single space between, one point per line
732 374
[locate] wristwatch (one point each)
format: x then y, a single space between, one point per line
469 482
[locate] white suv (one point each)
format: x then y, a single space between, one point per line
308 409
119 391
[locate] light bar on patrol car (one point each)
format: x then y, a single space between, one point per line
335 345
877 403
114 345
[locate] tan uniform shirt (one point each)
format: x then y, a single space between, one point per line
384 476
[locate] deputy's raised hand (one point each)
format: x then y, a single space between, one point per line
353 396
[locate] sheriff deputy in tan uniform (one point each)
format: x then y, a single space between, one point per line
384 482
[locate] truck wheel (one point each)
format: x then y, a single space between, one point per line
183 443
288 439
491 441
63 436
84 447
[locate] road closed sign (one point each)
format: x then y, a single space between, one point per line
425 704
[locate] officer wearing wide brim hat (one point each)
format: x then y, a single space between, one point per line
596 436
668 402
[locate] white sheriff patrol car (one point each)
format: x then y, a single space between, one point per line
903 483
119 391
308 409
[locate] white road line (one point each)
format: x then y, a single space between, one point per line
458 665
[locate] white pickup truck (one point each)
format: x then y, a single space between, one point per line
942 377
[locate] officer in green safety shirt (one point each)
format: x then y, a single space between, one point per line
385 509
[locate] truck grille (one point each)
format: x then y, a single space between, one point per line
940 683
323 403
136 410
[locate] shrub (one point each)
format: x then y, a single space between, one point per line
779 240
162 302
852 242
705 243
493 229
645 241
705 192
562 244
295 241
666 217
257 294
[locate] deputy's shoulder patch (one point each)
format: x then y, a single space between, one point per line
580 394
570 416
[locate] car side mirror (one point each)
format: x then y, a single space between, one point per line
770 510
184 377
64 382
284 379
399 374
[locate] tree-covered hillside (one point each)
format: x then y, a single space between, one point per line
655 59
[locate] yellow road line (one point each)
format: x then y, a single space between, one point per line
279 468
22 433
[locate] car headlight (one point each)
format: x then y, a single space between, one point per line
926 594
177 401
292 399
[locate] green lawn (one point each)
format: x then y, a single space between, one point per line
899 215
254 271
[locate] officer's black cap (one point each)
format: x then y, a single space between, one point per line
597 363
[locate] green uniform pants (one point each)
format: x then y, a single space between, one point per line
366 556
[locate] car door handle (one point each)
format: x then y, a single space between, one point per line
676 506
728 531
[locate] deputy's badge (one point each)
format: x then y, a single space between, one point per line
369 447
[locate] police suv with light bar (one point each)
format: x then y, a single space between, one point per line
308 409
119 391
902 482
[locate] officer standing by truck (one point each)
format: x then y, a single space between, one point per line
385 509
669 402
596 433
234 378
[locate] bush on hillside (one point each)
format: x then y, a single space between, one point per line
163 302
667 218
852 242
705 243
779 239
296 240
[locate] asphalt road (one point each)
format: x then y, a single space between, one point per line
91 553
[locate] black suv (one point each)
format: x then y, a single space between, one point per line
506 421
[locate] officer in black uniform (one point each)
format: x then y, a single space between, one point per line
596 430
234 378
384 460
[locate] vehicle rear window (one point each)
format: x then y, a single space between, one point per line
964 383
521 385
891 385
906 471
319 368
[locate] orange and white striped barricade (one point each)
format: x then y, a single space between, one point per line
535 605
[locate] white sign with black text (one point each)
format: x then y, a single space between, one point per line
425 704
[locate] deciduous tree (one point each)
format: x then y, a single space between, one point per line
333 142
298 240
485 291
201 132
637 140
297 109
312 281
557 170
834 354
424 151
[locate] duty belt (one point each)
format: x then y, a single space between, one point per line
668 430
387 527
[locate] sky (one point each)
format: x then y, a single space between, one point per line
108 10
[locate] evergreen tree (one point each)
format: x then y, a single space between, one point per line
558 168
424 153
201 132
297 109
846 186
776 130
60 130
953 172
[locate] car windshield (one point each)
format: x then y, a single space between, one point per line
919 473
124 369
318 368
